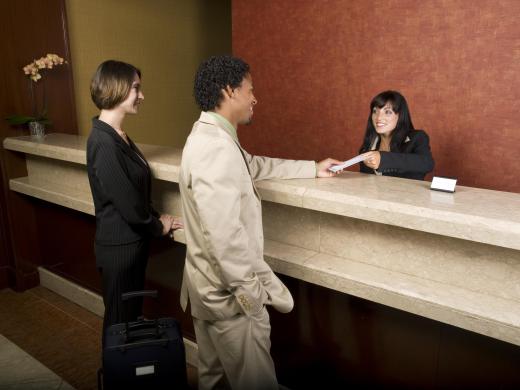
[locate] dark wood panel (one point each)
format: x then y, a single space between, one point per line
67 243
5 248
30 29
336 340
333 340
164 273
44 31
469 360
22 231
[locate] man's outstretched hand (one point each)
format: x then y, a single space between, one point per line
322 167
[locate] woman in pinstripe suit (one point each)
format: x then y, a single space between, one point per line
120 181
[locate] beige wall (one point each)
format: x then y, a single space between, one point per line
166 39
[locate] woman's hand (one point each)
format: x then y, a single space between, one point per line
373 159
177 224
167 222
170 224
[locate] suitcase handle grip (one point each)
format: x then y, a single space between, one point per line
143 324
140 344
132 328
142 336
136 294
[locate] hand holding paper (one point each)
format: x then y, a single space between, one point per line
348 163
323 167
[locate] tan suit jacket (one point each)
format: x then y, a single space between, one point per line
225 272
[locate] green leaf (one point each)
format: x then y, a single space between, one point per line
19 119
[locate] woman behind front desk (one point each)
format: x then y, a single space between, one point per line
120 181
392 146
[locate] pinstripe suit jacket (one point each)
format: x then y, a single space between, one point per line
120 181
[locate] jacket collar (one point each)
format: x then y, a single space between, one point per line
215 119
131 150
225 124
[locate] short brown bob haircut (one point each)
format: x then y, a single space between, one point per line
112 83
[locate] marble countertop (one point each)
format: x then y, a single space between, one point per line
460 282
490 217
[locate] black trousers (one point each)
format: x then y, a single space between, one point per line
123 269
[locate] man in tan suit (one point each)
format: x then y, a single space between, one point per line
226 279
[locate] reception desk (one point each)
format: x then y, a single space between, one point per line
451 258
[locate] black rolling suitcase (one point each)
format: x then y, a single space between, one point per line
145 354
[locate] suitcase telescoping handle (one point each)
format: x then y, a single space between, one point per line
136 294
129 328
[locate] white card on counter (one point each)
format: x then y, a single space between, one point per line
445 184
347 163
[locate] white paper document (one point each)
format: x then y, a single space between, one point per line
347 163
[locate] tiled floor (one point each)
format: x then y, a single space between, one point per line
19 370
56 332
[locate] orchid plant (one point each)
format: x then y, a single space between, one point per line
34 72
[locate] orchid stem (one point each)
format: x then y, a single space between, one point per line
33 98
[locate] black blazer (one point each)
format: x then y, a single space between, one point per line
120 181
413 162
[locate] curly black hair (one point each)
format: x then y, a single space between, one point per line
215 74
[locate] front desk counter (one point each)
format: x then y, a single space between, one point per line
394 284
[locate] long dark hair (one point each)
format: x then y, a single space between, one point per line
404 123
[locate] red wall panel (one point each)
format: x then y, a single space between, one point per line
317 64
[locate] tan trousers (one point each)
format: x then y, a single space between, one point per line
234 353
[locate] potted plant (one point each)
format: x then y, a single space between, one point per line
38 119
